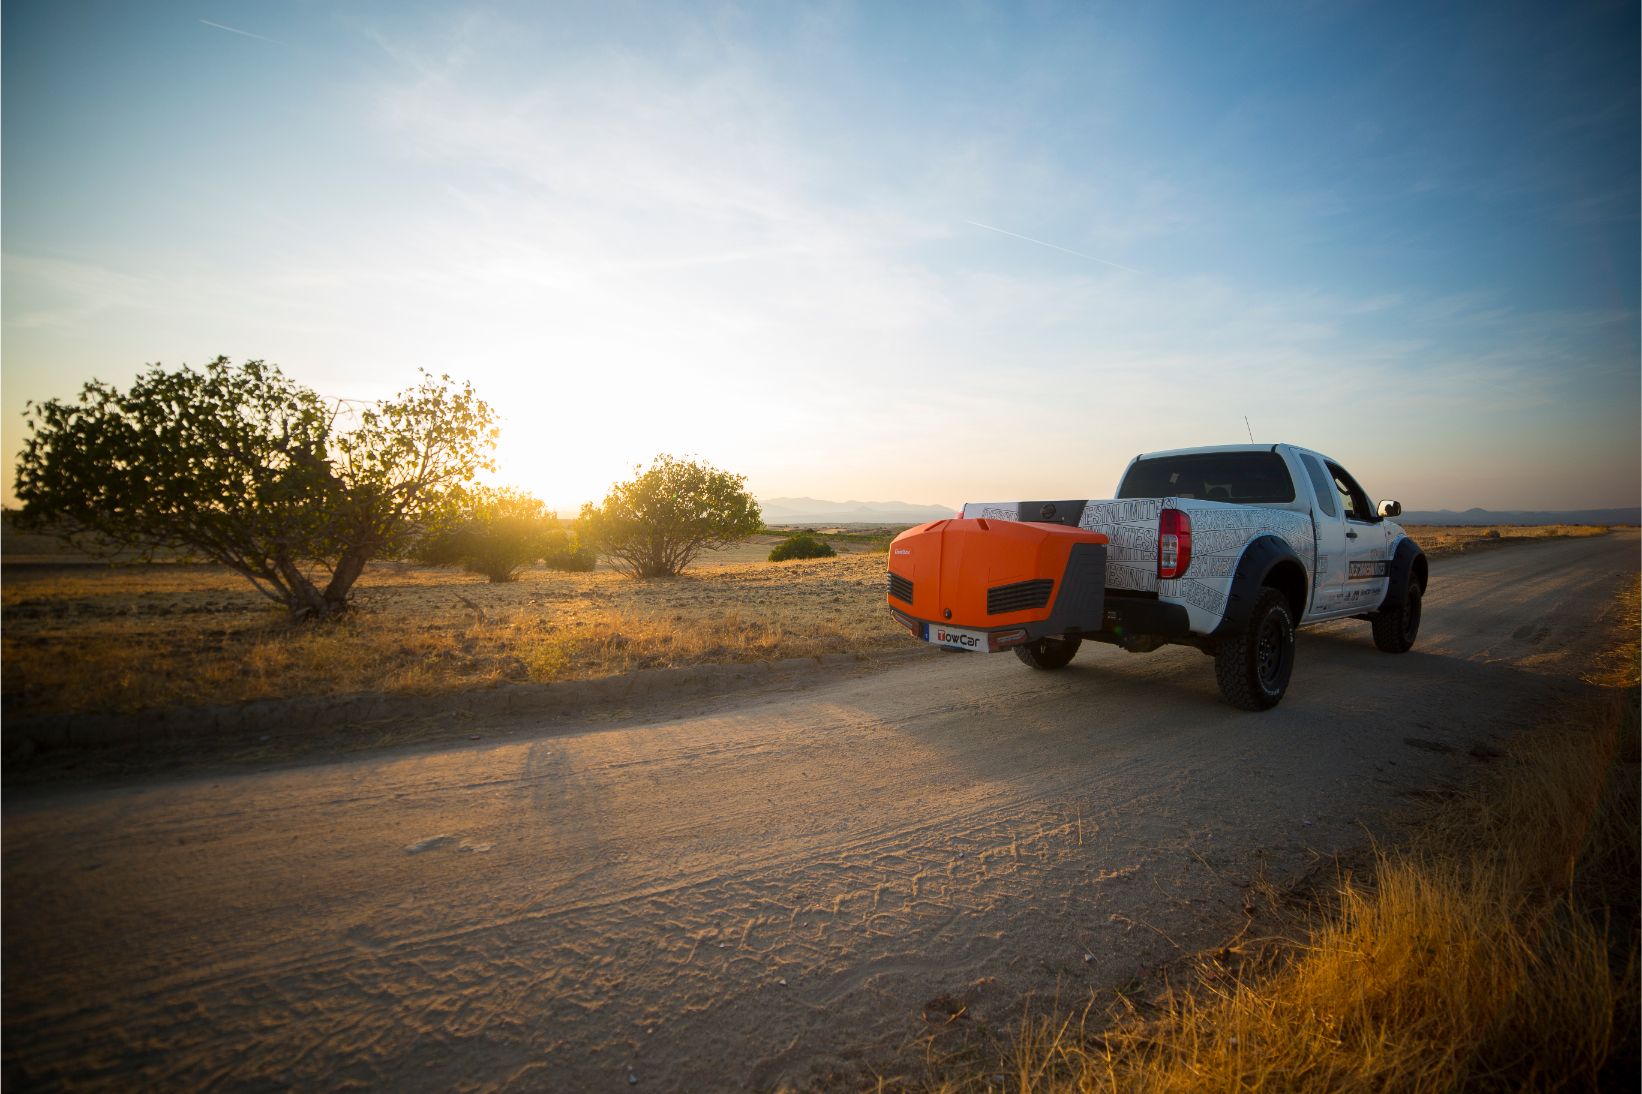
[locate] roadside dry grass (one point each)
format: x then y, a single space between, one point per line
92 638
1499 951
81 638
1440 540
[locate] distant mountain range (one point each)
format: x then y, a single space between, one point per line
817 511
1522 516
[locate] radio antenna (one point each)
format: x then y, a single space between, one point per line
1246 426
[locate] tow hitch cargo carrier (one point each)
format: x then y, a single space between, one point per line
990 585
1227 549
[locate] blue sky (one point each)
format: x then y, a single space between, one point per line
788 238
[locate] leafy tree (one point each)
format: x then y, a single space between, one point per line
656 524
569 552
244 466
802 545
503 531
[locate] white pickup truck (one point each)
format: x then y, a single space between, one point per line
1227 549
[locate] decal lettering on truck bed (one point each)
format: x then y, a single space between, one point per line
1120 575
1214 566
1208 597
1219 535
1131 527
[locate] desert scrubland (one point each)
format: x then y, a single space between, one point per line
945 872
84 637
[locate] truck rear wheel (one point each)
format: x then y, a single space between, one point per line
1049 653
1253 666
1395 630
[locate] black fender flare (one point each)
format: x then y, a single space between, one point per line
1407 564
1264 555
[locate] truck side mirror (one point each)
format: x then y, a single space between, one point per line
1389 508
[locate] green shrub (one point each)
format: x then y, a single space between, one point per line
656 524
439 547
566 551
802 545
502 532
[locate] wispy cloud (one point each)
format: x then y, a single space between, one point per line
770 266
606 176
246 33
1054 247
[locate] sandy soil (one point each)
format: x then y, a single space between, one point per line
783 891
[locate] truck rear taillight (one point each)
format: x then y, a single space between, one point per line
1174 543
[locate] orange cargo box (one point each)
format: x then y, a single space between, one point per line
988 585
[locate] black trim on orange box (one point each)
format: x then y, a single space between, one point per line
900 587
1080 601
1022 596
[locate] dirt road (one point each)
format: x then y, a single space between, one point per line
773 891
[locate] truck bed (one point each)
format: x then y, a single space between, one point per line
1219 533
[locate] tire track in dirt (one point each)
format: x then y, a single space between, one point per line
771 893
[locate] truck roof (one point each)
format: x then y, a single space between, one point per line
1213 448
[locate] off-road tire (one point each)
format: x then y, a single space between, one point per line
1253 666
1396 628
1049 653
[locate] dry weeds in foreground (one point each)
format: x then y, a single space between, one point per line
1499 952
91 638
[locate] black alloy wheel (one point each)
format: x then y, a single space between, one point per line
1253 666
1274 652
1395 629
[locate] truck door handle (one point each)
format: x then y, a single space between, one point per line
1351 535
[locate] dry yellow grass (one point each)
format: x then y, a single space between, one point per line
90 638
1498 952
1438 540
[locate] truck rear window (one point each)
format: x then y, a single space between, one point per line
1247 478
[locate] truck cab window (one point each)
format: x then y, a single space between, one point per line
1352 495
1246 478
1319 484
